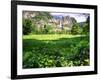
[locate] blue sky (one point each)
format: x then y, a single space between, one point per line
78 16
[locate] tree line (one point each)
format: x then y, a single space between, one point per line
30 26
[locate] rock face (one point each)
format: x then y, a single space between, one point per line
29 14
62 22
67 22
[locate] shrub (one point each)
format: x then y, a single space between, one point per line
47 29
76 29
85 28
27 26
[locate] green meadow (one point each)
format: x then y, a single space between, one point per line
55 50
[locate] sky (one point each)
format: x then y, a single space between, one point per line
80 17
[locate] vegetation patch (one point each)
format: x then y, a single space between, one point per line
55 52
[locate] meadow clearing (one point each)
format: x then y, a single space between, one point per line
55 50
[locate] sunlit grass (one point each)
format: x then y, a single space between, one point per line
50 36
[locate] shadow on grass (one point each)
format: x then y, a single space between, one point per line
29 44
60 52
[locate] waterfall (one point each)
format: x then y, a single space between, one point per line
60 25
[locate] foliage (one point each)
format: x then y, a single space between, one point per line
76 29
40 51
34 29
47 29
27 26
44 16
85 28
30 24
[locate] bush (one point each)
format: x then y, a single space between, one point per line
85 28
76 29
81 52
27 26
47 29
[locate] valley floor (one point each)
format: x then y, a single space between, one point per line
55 50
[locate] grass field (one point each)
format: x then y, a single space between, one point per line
55 50
50 36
